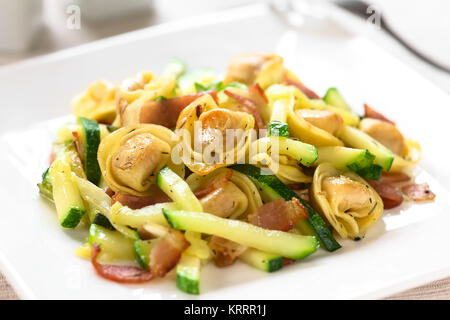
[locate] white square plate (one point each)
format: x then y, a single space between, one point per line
408 247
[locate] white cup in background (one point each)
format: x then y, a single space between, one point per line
99 10
20 20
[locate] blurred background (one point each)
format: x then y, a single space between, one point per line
30 28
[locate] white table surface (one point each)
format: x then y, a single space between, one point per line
416 22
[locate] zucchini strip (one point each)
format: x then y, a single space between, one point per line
188 269
100 201
142 250
304 153
68 201
278 121
358 139
178 190
115 246
335 99
91 142
188 274
135 218
268 262
288 245
45 187
272 188
345 158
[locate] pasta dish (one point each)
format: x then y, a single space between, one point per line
170 172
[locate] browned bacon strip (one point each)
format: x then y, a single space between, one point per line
136 202
122 274
109 192
250 105
226 251
213 185
167 252
391 196
369 112
419 192
279 214
308 92
257 93
166 112
394 177
287 261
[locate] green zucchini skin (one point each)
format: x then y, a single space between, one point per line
188 274
72 218
188 285
103 221
218 86
278 128
335 99
45 187
358 139
315 225
178 190
142 249
345 158
69 204
305 153
111 128
261 260
361 163
372 172
286 244
114 245
92 136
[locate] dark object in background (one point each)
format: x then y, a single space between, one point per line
359 8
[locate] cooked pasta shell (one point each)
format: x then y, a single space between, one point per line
345 200
97 102
131 157
132 88
241 190
130 101
249 69
407 152
299 127
202 120
287 171
411 156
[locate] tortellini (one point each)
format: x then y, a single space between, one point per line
213 148
131 157
298 126
384 132
407 151
132 88
97 102
234 197
137 91
283 166
327 120
346 201
412 154
265 69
